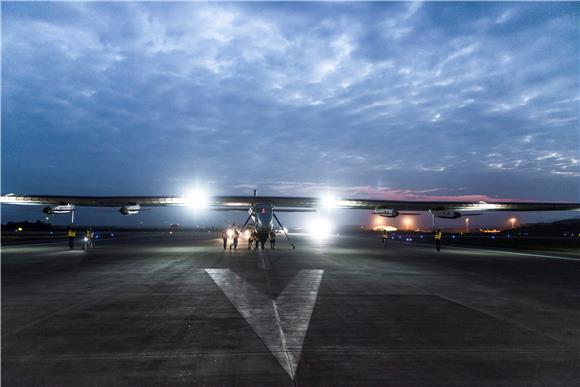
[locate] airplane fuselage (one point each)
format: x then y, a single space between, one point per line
263 217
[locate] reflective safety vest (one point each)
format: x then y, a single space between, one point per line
72 233
438 235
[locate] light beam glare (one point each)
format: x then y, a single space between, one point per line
320 228
328 201
197 199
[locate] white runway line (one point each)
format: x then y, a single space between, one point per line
515 253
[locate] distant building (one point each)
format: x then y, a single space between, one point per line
489 230
384 228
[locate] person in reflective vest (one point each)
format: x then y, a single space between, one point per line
236 236
385 238
225 238
90 235
71 234
438 236
272 239
251 240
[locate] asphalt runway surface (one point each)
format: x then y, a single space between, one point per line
179 310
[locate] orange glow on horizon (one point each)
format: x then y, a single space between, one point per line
407 222
378 221
512 221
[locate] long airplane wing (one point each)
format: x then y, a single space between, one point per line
281 202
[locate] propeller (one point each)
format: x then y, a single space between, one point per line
251 212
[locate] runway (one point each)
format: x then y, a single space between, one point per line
179 310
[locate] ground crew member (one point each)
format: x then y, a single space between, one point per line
438 236
71 234
251 240
236 236
272 239
225 238
89 236
385 238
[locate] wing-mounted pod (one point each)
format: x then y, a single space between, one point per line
391 213
60 209
130 210
386 212
446 213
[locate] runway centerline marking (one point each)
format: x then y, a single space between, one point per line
281 324
263 262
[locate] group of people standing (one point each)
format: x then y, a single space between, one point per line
72 234
235 234
253 239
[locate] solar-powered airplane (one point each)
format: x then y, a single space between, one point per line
262 209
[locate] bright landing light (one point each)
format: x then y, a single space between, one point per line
197 200
320 227
328 201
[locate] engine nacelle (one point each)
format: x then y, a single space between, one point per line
447 214
130 210
387 212
60 209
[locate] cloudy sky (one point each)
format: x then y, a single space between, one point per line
393 100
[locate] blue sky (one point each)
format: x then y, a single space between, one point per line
394 100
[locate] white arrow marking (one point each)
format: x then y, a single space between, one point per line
257 309
295 306
281 324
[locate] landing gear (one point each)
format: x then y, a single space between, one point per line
245 224
285 233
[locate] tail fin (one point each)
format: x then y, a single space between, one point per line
254 200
